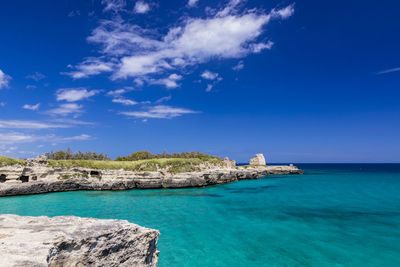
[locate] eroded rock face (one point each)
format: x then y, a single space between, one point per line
258 160
74 241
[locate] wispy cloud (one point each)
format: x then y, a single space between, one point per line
10 138
66 109
238 66
114 5
30 86
192 3
160 112
129 50
31 107
4 79
37 76
33 125
388 71
74 94
124 101
163 99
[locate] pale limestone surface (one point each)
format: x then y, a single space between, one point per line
258 160
74 241
37 177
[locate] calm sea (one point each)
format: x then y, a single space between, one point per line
334 215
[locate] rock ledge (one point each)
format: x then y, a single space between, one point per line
74 241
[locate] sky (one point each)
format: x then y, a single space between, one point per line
300 81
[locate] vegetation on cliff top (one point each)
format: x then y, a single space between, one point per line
173 165
69 155
6 161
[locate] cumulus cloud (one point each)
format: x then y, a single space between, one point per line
170 82
129 50
159 112
31 107
37 76
66 109
74 94
141 7
208 75
4 79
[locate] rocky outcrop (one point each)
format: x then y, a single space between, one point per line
37 177
258 160
74 241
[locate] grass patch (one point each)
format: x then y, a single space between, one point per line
173 165
6 161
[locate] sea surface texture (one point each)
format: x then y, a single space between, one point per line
334 215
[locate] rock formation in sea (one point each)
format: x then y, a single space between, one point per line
74 241
258 160
37 176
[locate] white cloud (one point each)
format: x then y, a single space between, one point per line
163 99
124 101
74 94
30 86
35 125
208 75
9 138
81 137
37 76
31 107
90 66
113 5
131 51
3 104
169 82
141 7
388 71
160 112
238 66
209 87
257 48
192 3
4 79
66 109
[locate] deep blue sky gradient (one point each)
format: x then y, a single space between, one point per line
314 97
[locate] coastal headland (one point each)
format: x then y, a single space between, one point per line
39 175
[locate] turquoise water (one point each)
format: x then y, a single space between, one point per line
334 215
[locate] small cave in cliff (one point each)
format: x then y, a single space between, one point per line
24 178
3 178
94 173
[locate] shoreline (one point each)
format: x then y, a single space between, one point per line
22 180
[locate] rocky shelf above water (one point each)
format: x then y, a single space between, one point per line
38 177
74 241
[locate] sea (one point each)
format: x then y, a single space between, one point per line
333 215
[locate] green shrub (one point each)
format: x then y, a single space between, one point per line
6 161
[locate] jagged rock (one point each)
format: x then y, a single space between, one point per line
74 241
20 180
258 160
229 163
38 161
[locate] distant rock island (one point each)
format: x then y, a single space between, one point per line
40 175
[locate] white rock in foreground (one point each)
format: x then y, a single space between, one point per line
74 241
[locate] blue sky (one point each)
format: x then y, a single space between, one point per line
304 81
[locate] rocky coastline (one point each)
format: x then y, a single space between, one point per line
74 241
38 177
